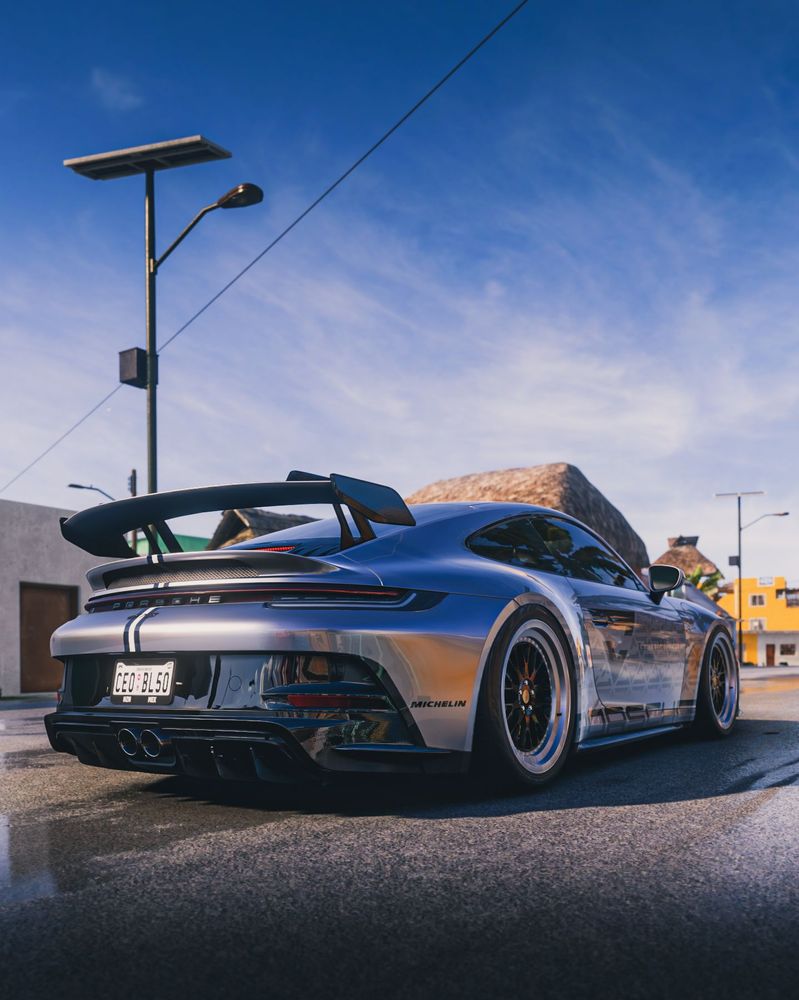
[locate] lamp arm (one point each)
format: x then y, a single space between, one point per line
749 525
80 486
200 215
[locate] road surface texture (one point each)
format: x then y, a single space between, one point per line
663 869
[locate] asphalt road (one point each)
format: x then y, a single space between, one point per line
664 869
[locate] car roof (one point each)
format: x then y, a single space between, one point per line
424 514
427 512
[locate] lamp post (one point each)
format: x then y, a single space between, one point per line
736 560
140 368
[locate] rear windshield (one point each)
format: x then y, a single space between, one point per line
315 538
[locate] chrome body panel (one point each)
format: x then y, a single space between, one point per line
636 662
638 651
431 656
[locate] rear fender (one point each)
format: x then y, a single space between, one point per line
565 613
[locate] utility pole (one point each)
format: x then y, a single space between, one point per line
736 561
739 602
150 341
132 483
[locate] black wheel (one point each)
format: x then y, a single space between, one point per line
528 702
717 698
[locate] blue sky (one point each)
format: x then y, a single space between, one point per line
584 248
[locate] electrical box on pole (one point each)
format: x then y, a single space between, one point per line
133 367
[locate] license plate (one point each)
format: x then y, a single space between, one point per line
143 683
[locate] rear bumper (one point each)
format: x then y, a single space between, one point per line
238 747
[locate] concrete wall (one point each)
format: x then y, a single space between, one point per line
32 551
778 639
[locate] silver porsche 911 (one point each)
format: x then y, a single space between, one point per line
384 638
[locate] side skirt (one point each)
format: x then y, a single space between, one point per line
610 741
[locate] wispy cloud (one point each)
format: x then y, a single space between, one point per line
114 92
612 321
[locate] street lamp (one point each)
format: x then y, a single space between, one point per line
80 486
782 513
131 490
736 560
140 368
241 196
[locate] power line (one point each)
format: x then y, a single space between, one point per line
58 441
361 159
328 191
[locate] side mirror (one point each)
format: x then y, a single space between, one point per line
662 579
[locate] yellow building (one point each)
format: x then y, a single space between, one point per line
770 613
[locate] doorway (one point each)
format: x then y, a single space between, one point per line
42 608
770 649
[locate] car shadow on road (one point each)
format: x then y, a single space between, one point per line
674 768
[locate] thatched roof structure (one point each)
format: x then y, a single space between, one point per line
560 486
683 553
250 522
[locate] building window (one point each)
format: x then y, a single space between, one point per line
765 581
757 600
787 649
757 624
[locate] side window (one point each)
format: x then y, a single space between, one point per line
516 542
583 555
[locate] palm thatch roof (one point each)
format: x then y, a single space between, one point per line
683 553
560 486
250 522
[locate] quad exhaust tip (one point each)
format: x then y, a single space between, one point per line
128 742
152 744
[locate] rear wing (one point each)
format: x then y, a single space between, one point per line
101 530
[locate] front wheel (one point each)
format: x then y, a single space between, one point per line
528 702
717 698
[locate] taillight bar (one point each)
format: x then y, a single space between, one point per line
293 594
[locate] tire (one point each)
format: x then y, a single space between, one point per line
717 697
527 711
